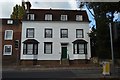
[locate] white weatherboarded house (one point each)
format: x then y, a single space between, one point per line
53 35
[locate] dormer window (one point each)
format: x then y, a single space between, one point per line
30 17
63 17
9 21
79 18
48 17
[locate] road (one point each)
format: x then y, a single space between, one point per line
60 73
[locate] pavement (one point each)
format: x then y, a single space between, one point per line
47 67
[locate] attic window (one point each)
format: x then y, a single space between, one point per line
64 17
30 17
48 17
79 17
9 21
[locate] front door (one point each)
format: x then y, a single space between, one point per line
64 52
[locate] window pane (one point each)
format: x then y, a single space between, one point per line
75 48
79 33
7 49
48 48
64 33
8 34
81 48
9 21
30 16
29 48
79 18
30 33
48 33
35 48
24 49
64 17
48 17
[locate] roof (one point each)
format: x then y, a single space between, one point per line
40 14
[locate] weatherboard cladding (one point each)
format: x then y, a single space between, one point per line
56 14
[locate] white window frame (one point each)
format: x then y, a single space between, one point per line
9 21
49 33
81 48
6 35
79 18
48 17
47 48
28 32
64 17
30 16
64 33
8 53
79 33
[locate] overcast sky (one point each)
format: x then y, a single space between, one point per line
6 6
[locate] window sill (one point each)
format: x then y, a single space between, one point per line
8 39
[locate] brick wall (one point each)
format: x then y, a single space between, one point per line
14 58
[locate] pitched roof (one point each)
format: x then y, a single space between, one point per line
56 13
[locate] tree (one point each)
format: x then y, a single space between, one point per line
103 15
18 12
92 36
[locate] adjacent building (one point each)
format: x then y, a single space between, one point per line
10 41
53 36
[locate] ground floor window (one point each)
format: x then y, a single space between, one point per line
80 46
7 50
48 47
30 47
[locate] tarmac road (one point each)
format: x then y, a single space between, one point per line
82 74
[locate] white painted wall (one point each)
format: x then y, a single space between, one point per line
56 26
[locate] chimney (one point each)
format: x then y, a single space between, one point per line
23 4
28 6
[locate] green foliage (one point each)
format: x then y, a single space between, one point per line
18 12
92 36
102 29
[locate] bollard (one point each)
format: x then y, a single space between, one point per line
106 68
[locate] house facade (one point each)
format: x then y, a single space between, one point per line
10 41
50 36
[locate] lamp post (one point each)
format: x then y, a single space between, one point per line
112 53
111 41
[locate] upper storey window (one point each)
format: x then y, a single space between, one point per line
9 21
8 34
30 33
79 18
64 18
48 17
30 16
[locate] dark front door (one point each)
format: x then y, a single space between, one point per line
64 52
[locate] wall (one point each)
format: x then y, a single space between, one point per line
56 26
14 58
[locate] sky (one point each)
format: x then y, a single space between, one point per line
6 6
